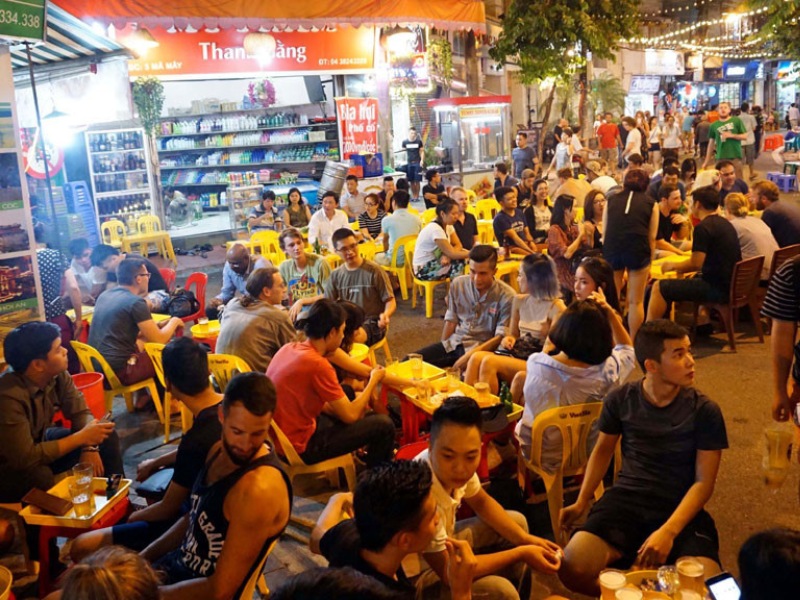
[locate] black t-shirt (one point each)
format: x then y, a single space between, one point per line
466 233
718 239
341 546
429 189
659 445
195 446
412 150
665 226
156 280
783 219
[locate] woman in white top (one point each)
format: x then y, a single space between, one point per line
593 355
671 138
755 236
437 253
532 314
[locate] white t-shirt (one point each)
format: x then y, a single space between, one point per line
655 135
672 136
447 505
426 250
321 229
633 145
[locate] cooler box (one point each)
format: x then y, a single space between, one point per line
366 165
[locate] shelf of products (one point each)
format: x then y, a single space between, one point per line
240 200
120 175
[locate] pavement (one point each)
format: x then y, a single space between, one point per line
739 381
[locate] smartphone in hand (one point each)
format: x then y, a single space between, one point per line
723 587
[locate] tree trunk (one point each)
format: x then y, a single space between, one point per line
582 106
157 205
471 62
548 105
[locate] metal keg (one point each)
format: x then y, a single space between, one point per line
333 177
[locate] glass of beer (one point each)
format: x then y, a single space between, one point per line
482 392
690 574
777 456
611 580
415 362
453 379
628 593
81 496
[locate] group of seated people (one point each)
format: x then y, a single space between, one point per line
561 341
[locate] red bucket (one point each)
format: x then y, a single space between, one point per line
91 384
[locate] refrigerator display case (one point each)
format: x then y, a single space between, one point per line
119 165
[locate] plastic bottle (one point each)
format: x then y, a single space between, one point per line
505 397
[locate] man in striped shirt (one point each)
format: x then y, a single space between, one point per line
782 305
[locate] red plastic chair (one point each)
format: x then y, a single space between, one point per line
199 281
169 277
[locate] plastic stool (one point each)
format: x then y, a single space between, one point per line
786 183
773 176
773 142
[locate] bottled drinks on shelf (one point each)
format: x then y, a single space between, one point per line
110 142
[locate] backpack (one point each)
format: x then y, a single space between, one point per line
182 303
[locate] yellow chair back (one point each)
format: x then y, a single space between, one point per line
265 242
428 216
148 224
223 367
472 197
256 577
487 208
89 358
413 210
112 232
399 247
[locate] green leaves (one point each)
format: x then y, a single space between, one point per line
781 32
148 96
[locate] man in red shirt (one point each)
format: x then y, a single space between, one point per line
608 134
313 410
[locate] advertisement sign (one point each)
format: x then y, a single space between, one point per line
663 62
788 70
231 53
642 84
358 125
22 19
489 111
20 292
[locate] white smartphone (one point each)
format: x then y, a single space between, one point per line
723 587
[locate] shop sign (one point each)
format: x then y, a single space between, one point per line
740 71
22 19
358 125
230 53
480 112
410 71
664 62
642 84
788 70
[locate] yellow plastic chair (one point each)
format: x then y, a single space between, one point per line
381 345
428 216
574 423
354 226
485 232
419 284
148 224
472 197
487 209
265 242
296 466
224 366
403 271
155 351
256 579
112 232
413 210
87 355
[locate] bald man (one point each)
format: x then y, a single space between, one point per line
239 263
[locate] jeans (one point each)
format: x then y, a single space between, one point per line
436 355
110 452
333 438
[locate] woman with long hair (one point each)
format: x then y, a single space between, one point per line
688 173
631 224
593 274
564 239
537 214
297 213
435 255
532 315
593 354
594 204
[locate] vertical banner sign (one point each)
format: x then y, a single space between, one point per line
20 289
22 19
358 126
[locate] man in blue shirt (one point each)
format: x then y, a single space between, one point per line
509 224
239 263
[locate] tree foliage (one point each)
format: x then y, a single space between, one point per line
148 96
551 38
783 23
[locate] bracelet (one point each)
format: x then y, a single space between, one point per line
90 449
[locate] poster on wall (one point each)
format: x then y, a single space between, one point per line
20 290
358 126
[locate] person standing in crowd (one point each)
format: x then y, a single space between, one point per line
478 312
304 273
313 410
107 258
361 282
352 201
537 215
240 502
654 140
794 115
782 217
702 134
255 326
370 221
509 225
564 240
631 224
239 263
610 141
522 156
749 145
415 155
755 236
672 440
466 225
396 225
325 221
633 142
725 137
297 213
670 138
435 257
32 450
687 131
264 216
433 189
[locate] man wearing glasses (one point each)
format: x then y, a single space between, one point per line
120 316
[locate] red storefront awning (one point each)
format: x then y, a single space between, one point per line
260 14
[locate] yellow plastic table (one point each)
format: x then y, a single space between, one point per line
160 238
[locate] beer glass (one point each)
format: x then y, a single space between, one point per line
690 574
611 580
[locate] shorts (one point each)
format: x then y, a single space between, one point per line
374 332
694 289
749 154
654 148
610 155
414 172
139 534
628 260
624 519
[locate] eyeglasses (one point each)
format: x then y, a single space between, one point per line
145 274
346 249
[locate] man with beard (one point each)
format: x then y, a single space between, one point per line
783 218
240 502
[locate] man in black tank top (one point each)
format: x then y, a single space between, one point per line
240 503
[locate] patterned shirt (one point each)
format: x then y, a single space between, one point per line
52 265
478 318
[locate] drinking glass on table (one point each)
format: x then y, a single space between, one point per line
610 581
415 362
81 496
482 392
690 574
453 379
627 593
83 473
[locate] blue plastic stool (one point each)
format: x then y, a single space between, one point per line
786 183
773 176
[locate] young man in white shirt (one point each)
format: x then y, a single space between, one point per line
326 220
